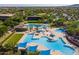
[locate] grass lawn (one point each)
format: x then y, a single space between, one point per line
4 37
12 41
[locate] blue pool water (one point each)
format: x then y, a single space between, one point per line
54 45
60 30
36 25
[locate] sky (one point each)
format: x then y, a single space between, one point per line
37 2
31 5
54 2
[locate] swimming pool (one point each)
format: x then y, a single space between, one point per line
37 25
54 45
59 44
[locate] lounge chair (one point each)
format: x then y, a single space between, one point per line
45 52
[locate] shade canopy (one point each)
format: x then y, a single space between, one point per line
32 48
22 44
45 52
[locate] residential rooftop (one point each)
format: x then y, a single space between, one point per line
6 14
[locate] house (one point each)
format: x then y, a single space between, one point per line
3 17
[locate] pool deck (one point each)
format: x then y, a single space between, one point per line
56 52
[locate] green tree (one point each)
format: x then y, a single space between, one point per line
3 30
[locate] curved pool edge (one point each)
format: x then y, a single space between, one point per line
66 43
25 34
